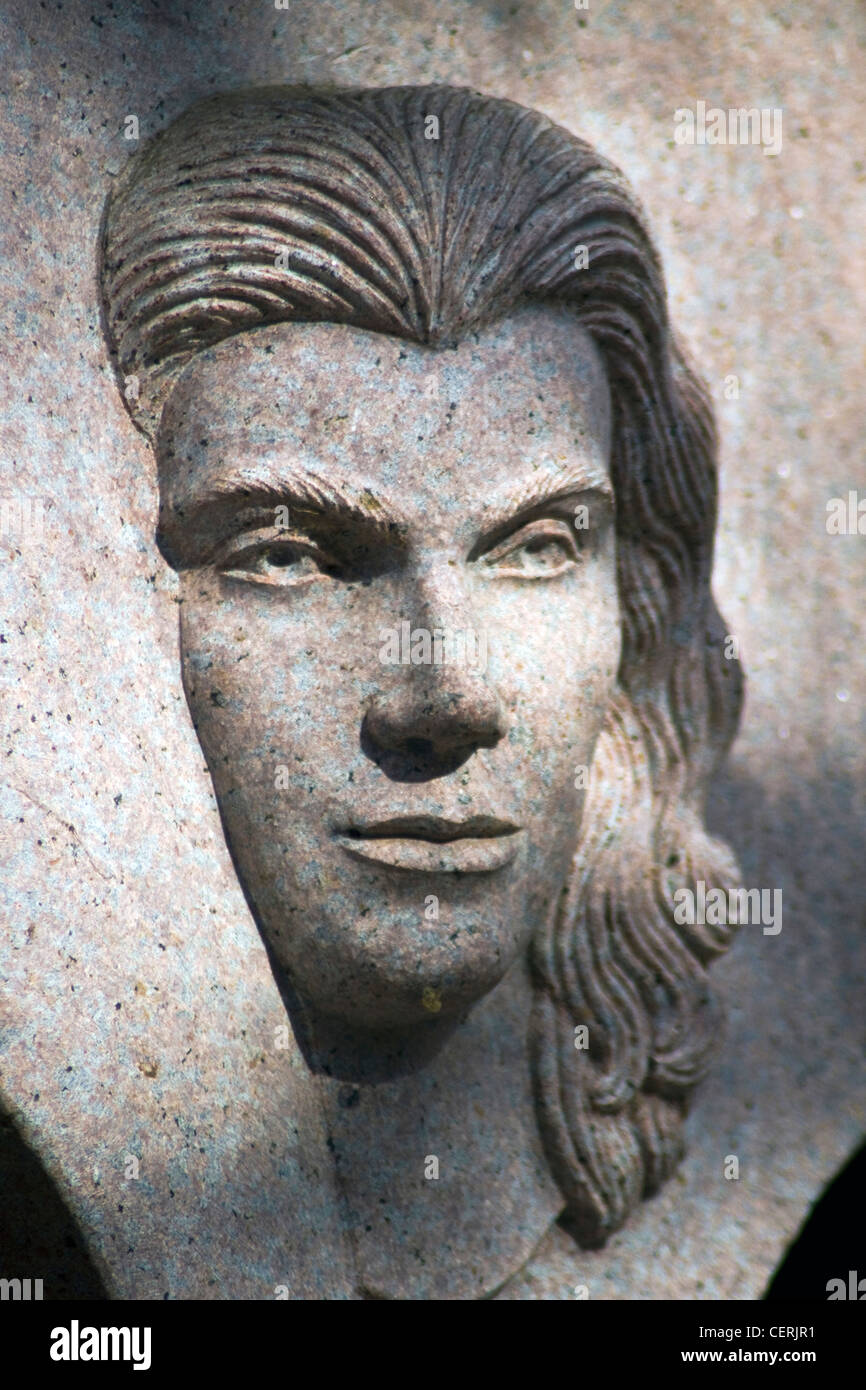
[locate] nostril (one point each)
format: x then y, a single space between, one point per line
411 759
419 747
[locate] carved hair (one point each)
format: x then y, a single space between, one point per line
356 207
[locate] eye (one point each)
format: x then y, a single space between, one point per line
542 550
282 562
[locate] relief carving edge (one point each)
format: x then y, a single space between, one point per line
263 209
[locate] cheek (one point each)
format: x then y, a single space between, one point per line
275 688
260 655
554 660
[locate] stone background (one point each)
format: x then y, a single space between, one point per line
137 1006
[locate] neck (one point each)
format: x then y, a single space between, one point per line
443 1181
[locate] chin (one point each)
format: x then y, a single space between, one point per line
384 973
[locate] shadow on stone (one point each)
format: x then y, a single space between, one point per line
39 1238
830 1244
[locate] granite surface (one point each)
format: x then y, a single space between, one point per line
138 1006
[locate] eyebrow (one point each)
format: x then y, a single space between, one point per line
263 486
581 481
254 487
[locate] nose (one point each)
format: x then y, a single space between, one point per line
431 714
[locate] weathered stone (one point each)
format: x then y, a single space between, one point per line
145 1053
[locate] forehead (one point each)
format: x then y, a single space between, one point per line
524 400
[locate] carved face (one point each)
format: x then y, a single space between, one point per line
400 633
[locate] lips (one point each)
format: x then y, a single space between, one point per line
435 844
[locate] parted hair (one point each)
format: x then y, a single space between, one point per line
426 213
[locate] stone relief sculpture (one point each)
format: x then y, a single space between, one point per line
440 490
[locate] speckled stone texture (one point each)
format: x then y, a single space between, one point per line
138 1006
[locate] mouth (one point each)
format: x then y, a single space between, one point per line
432 844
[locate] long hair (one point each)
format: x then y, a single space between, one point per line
427 212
